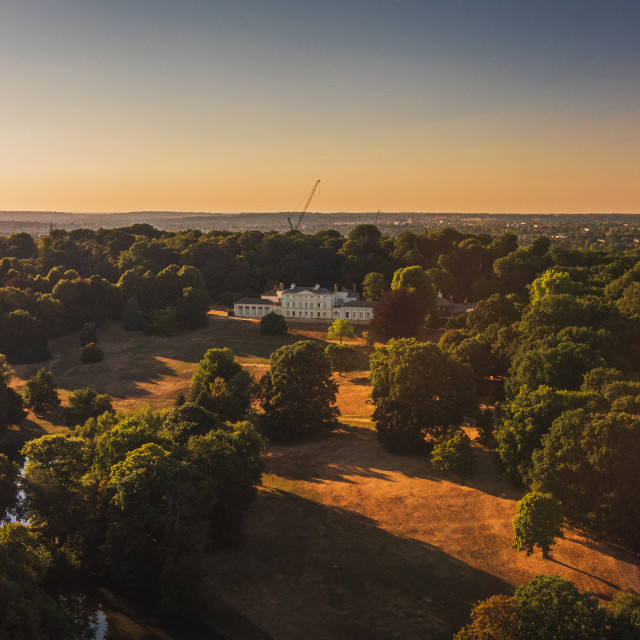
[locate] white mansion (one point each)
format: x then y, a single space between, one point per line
310 303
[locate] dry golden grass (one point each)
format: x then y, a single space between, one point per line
345 540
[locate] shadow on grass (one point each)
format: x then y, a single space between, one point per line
586 573
355 452
314 571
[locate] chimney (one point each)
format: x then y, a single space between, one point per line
293 285
317 287
281 286
335 287
354 287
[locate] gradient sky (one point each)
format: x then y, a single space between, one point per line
477 105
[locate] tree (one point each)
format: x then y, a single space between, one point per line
339 329
547 608
85 404
419 392
625 605
273 324
417 280
91 353
342 357
9 474
373 286
398 314
497 618
88 334
132 317
297 394
551 607
11 405
55 499
157 515
453 453
229 397
22 337
538 522
41 392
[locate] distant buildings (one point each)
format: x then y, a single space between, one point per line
307 303
447 308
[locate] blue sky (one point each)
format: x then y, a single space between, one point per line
399 106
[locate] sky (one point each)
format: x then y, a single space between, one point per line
240 106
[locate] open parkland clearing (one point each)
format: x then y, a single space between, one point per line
345 539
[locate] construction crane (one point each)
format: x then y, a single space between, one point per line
304 210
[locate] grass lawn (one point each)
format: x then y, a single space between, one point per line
345 540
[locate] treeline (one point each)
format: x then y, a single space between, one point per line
135 498
164 282
568 347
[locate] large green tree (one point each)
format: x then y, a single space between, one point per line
538 523
419 392
297 394
221 385
41 391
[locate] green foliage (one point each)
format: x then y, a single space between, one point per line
415 279
497 618
419 392
522 422
26 610
591 462
453 453
88 334
273 324
297 394
85 404
230 397
56 501
373 286
9 475
22 337
187 420
342 357
230 456
91 353
11 405
398 314
41 392
162 321
538 522
551 607
339 329
132 317
625 606
157 511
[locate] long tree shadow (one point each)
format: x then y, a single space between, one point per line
307 570
586 573
355 452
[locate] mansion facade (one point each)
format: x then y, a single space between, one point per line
307 303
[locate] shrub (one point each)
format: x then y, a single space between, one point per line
91 353
342 357
273 324
453 453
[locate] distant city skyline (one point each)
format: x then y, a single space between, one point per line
208 106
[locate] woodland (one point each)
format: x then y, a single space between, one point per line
138 497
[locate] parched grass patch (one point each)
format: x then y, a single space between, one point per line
295 487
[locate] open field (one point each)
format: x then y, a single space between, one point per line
345 539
